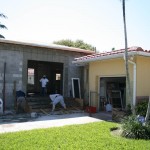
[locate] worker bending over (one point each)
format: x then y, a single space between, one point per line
57 98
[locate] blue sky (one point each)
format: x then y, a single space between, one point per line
97 22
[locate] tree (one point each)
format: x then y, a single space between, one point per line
128 85
1 25
113 49
148 112
78 44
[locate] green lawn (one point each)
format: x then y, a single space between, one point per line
91 136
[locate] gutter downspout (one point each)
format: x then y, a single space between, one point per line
134 81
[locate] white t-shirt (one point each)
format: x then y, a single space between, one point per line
53 96
44 81
57 98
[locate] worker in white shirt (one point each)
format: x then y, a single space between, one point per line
57 98
44 82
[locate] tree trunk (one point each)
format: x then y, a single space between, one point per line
148 112
128 85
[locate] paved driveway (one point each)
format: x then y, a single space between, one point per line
53 121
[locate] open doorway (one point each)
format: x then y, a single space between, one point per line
52 70
113 92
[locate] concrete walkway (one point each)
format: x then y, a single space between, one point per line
51 121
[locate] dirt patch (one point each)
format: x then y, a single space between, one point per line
116 131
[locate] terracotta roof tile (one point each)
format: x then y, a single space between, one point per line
114 52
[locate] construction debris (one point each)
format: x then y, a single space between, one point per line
44 112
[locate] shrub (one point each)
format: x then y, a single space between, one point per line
128 110
132 128
141 108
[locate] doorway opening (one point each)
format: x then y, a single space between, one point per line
112 92
53 72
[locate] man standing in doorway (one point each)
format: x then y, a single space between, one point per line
44 82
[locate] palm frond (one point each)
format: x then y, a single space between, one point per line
3 26
2 15
1 36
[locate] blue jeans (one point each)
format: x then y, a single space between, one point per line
43 91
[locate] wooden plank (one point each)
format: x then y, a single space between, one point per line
44 112
4 82
14 94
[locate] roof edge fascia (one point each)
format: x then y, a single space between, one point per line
144 54
59 47
121 55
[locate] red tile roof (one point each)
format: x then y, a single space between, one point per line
111 53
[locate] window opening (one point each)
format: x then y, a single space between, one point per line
58 76
31 76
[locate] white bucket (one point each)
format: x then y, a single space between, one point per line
108 107
33 115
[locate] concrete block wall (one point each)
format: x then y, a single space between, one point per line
13 73
74 72
16 58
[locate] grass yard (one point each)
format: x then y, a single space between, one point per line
91 136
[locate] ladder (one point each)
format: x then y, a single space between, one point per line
115 98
